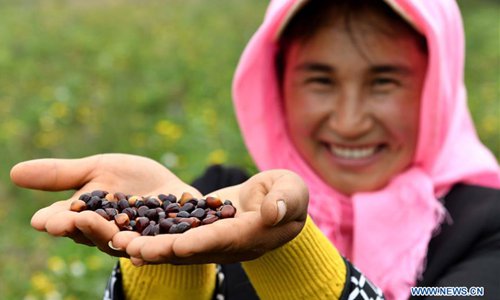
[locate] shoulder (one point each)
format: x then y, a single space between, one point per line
466 247
218 176
474 205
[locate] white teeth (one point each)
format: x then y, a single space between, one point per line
351 153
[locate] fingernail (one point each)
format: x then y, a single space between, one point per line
110 245
281 210
137 261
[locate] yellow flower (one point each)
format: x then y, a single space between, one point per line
218 156
42 283
47 139
56 264
489 124
83 113
168 129
59 110
94 262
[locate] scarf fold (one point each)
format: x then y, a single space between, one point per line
395 224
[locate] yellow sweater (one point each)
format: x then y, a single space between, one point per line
308 267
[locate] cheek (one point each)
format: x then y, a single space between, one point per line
298 122
401 119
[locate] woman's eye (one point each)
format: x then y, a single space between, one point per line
383 81
320 80
384 84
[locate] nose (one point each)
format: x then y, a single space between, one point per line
350 116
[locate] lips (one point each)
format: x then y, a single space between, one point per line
354 153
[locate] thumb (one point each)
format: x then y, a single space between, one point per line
53 174
286 200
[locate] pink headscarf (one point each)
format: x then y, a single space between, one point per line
388 230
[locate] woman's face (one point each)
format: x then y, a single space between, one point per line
352 108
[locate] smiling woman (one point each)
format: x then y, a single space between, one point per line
361 132
352 95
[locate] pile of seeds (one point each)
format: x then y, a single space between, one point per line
152 215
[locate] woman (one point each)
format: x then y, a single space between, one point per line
363 100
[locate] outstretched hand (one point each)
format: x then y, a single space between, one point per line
271 210
111 172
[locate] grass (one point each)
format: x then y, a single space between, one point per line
84 77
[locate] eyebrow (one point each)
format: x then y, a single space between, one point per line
315 67
397 69
377 69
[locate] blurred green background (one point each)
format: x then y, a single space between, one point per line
145 77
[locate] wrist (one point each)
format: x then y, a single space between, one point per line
307 267
174 281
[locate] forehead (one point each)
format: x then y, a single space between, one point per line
358 46
351 16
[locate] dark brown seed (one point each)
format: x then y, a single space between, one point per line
162 215
106 204
228 202
153 202
165 225
130 212
227 211
193 201
141 223
142 210
148 230
188 206
185 197
183 214
78 205
213 202
99 193
179 228
172 207
198 213
94 203
85 197
122 204
103 213
151 214
120 196
168 198
132 200
209 219
202 204
132 224
122 220
139 203
192 221
110 197
156 229
112 212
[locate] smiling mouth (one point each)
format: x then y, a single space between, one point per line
354 153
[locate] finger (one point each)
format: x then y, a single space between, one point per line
98 230
42 216
286 200
224 236
62 224
152 249
122 239
53 174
